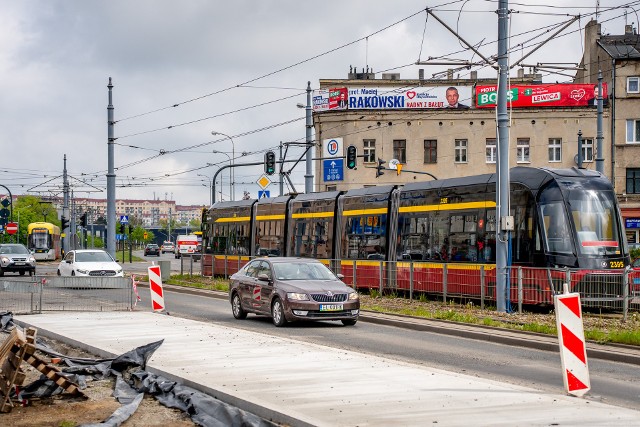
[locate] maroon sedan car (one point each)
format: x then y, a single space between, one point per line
291 289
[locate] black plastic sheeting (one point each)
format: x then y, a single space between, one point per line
132 382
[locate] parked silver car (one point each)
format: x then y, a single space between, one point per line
16 258
290 289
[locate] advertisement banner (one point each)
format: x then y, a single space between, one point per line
382 98
338 98
543 95
320 99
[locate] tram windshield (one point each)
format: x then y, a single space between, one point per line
592 220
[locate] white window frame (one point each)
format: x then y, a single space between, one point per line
633 131
460 151
369 150
523 150
635 82
491 151
555 150
588 150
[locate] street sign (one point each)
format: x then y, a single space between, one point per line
332 147
12 228
263 182
124 219
393 164
145 235
264 194
333 170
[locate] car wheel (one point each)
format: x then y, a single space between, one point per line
59 273
73 273
1 272
349 322
277 313
236 307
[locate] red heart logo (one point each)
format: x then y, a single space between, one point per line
577 94
411 94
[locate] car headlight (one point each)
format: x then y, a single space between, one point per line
297 297
82 271
118 270
4 260
32 259
353 296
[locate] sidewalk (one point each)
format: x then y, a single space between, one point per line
305 384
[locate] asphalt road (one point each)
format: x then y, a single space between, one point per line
612 382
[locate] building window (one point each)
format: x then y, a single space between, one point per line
522 150
430 151
400 150
555 149
633 84
332 187
491 150
369 150
587 149
461 151
633 131
633 181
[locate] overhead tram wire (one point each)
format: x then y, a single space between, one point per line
211 117
289 66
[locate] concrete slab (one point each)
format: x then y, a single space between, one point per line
306 384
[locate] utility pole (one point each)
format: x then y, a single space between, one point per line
281 181
65 205
580 159
505 223
169 224
308 177
111 179
599 158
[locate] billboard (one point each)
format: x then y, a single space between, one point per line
383 98
331 99
543 95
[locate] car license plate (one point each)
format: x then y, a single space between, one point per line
19 263
331 307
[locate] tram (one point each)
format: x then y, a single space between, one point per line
418 235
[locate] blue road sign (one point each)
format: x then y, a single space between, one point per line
124 219
264 194
333 170
121 237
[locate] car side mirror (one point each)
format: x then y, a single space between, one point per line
263 277
340 276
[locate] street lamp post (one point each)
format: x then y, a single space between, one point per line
231 175
232 162
210 187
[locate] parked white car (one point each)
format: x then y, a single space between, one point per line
89 262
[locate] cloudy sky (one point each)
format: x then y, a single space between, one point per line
182 69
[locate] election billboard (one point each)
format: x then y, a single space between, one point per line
383 98
543 95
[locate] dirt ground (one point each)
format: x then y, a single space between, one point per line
66 411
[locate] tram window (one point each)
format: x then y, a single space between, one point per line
556 227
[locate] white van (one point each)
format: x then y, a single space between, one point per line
186 245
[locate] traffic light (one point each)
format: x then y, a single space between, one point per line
64 223
269 162
130 229
380 168
121 228
83 220
352 155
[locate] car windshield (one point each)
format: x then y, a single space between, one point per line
93 257
302 271
13 249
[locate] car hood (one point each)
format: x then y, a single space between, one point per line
314 286
96 266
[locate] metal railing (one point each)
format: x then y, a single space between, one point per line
53 293
615 290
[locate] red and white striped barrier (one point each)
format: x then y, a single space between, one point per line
573 351
155 285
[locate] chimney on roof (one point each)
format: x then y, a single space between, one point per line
421 74
520 73
450 74
628 29
474 75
